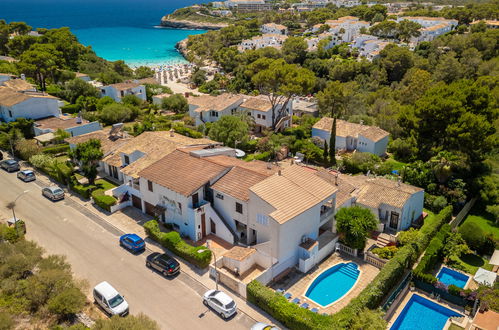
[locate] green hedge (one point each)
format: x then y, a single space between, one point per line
289 314
173 242
70 108
432 256
57 149
372 296
82 190
104 201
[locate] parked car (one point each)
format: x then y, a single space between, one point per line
163 263
110 300
26 175
132 242
220 302
263 326
53 193
10 165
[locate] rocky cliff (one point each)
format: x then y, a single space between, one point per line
189 25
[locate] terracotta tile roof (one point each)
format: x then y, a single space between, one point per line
293 192
260 103
239 253
254 166
10 97
79 74
125 85
344 129
182 173
62 122
155 145
275 26
19 85
150 80
237 182
216 103
108 143
488 320
488 22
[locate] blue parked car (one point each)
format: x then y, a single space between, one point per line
132 242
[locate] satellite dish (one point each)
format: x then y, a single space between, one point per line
240 153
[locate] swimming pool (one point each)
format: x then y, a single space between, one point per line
421 313
448 276
333 283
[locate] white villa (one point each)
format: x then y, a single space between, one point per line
19 99
117 91
274 29
369 46
207 108
345 28
351 136
73 125
248 5
265 40
432 27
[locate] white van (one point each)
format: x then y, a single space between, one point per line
110 300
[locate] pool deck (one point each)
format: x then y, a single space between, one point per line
297 283
409 294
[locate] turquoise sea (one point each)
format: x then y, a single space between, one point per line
116 29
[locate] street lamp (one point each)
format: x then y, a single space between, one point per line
208 241
13 205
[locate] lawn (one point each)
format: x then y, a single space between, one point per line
484 221
471 262
105 184
455 327
395 164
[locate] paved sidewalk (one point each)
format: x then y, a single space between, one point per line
130 220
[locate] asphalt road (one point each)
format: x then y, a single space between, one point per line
93 251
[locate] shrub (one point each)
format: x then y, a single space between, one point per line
408 237
68 302
57 149
386 252
454 290
198 255
42 161
361 162
432 256
473 235
290 315
82 190
435 203
27 148
70 108
181 129
103 201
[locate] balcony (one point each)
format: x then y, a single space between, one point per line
326 216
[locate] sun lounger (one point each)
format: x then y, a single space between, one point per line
287 295
296 301
304 305
281 291
315 310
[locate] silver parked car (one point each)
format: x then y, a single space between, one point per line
263 326
221 303
10 165
53 193
26 175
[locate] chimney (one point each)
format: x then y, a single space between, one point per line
23 76
279 172
336 179
172 132
78 119
399 181
269 166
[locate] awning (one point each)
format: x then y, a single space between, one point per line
159 209
43 138
495 258
485 277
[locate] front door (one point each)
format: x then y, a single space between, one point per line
203 225
213 227
136 202
394 220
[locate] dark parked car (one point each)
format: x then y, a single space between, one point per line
163 263
10 165
26 175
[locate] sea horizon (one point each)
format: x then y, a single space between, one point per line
115 29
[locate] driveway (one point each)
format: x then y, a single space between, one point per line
91 247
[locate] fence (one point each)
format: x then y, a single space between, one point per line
374 260
463 213
347 250
396 296
442 293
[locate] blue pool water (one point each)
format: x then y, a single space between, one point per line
421 313
333 283
448 276
116 29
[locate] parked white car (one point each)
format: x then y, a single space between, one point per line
263 326
221 303
110 300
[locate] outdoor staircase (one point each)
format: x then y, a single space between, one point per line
214 214
383 240
350 270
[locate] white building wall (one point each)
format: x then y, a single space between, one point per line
32 108
227 208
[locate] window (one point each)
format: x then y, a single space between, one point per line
180 208
219 196
264 117
239 208
122 93
103 91
262 219
10 113
258 116
149 185
127 160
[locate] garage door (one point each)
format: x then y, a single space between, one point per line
149 209
136 202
